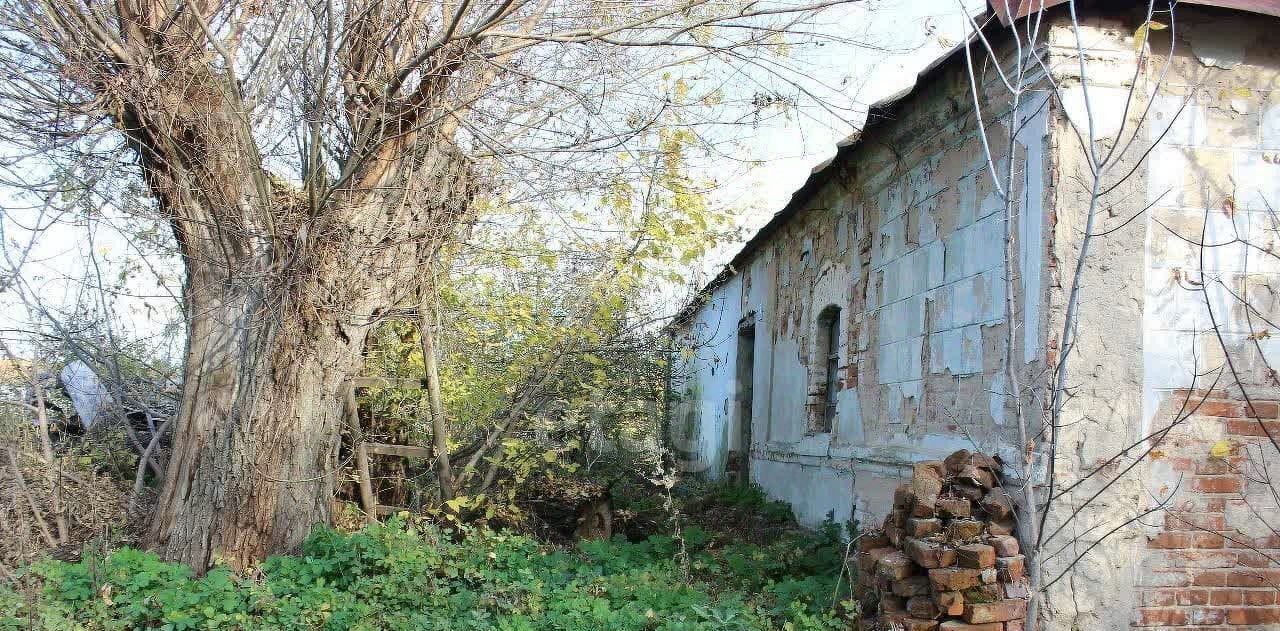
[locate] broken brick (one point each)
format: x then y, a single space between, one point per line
903 498
1011 568
953 507
868 560
997 503
1005 545
898 517
923 527
895 566
911 586
963 529
950 603
871 541
909 623
999 611
978 476
1017 589
976 555
955 564
982 594
956 462
895 535
951 579
926 483
970 492
956 625
979 459
922 607
1000 527
988 575
930 554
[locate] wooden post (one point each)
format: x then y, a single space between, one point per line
366 484
365 449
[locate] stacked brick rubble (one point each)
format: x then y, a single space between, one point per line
947 559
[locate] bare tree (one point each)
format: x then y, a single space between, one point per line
312 160
1057 521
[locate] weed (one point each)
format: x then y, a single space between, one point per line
409 576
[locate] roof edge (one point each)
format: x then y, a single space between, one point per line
882 110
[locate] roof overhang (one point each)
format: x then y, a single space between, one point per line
1009 10
886 109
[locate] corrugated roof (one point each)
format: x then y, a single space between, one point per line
880 112
884 110
1023 8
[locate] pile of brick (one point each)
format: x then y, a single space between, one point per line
947 559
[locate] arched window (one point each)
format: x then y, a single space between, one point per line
827 361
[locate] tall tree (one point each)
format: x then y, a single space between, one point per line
312 159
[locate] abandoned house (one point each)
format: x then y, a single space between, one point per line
867 326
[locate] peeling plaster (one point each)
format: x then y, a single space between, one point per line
911 250
1033 139
1219 44
1106 104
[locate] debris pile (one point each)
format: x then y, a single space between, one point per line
947 559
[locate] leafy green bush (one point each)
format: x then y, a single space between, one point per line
748 496
402 576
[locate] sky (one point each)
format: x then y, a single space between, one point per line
908 35
918 32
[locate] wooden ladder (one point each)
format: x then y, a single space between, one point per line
372 509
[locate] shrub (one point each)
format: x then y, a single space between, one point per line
405 576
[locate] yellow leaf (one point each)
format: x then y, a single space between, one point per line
1140 35
1220 449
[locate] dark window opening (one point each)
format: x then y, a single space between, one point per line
829 347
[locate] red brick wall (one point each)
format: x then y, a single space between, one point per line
1215 564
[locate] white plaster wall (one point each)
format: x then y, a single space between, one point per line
705 367
912 250
1144 327
1221 185
815 491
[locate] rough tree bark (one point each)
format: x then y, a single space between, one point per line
258 422
286 272
257 436
282 288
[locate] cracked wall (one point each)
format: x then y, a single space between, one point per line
905 235
1165 515
1164 442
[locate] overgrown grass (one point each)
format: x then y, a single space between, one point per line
402 576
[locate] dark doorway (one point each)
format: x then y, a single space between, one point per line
744 378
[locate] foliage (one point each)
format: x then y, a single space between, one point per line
748 496
82 489
410 576
561 326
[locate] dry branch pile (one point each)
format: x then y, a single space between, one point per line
92 505
569 509
947 559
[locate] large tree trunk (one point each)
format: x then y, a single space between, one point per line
251 471
284 280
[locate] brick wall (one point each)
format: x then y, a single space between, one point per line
1212 561
1158 314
